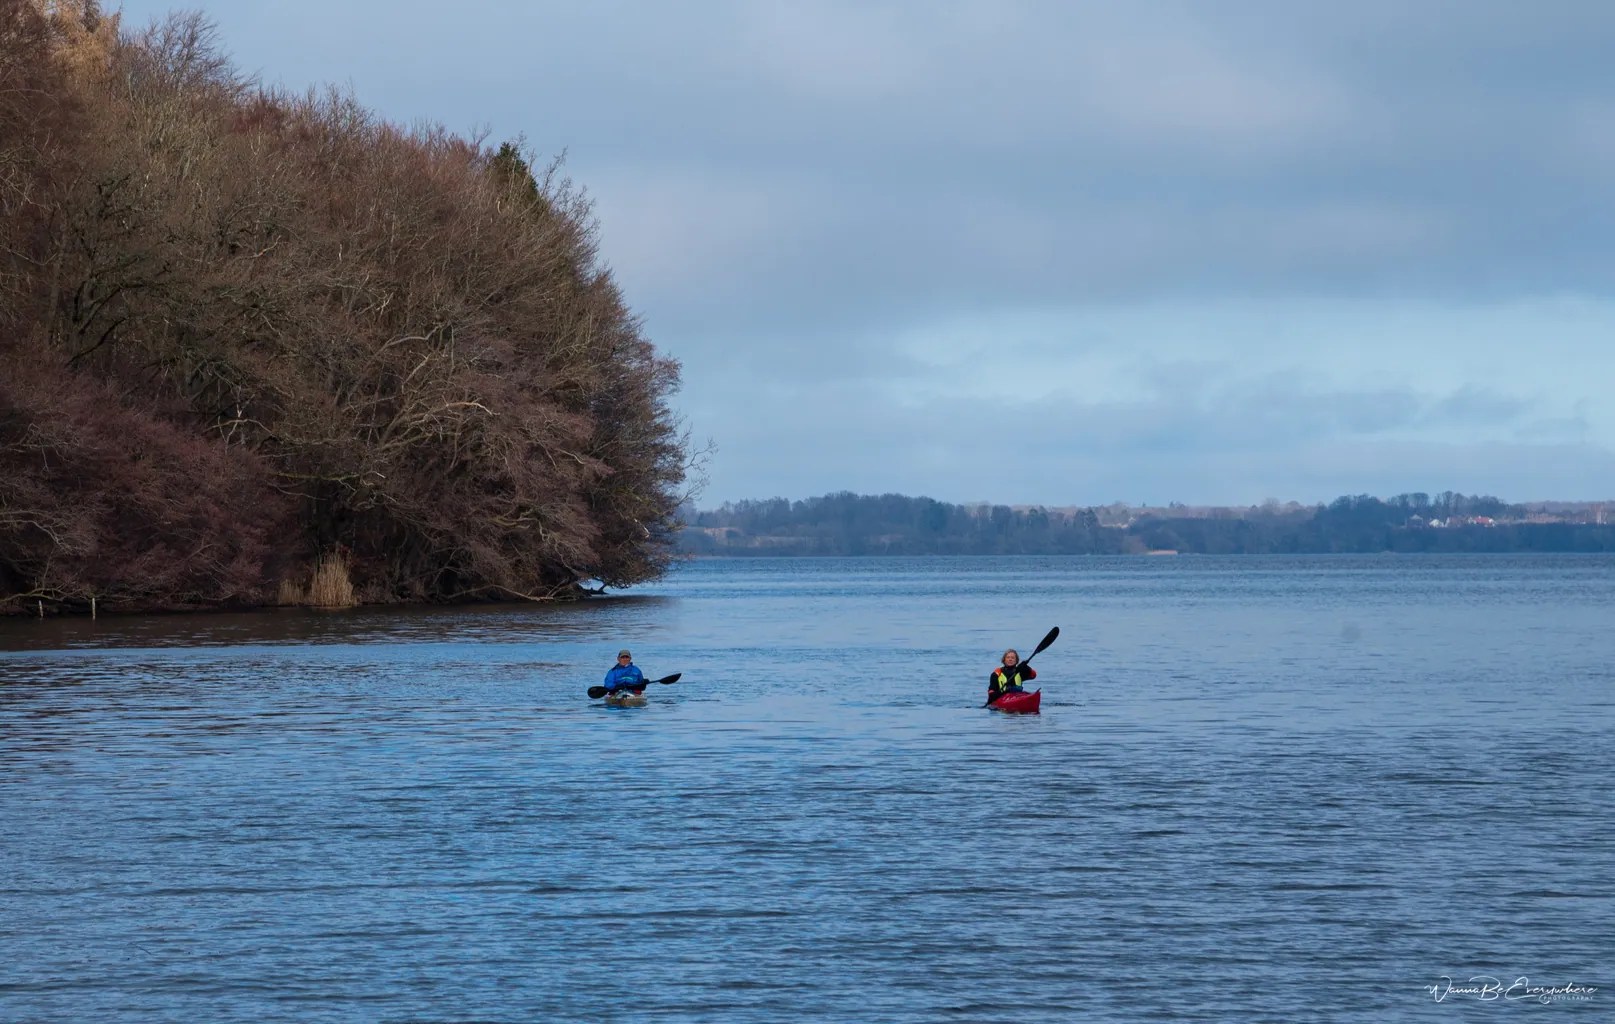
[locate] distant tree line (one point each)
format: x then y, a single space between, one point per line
259 347
893 524
852 524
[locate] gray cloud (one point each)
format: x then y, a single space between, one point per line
903 152
1199 431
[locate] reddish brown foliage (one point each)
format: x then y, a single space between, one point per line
401 340
99 500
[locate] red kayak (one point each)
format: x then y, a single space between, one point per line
1018 703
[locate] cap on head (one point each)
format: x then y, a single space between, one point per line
624 654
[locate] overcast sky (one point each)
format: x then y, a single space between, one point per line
1064 253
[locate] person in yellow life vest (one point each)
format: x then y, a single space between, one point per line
1008 676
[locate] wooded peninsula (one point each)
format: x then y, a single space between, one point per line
263 348
893 524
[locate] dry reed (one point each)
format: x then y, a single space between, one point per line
331 586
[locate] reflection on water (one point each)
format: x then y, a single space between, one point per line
1261 789
492 623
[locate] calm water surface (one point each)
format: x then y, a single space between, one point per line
1261 789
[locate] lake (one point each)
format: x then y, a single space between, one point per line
1261 788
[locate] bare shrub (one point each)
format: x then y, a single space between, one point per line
100 500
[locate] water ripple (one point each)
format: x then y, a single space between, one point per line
1233 808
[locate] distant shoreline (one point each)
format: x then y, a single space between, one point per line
891 524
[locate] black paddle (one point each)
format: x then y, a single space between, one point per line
596 692
1054 634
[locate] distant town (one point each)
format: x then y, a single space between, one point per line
1595 513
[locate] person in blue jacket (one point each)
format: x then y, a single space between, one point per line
625 675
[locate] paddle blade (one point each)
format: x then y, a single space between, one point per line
670 679
1053 635
596 692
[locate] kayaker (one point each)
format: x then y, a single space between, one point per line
1008 676
624 675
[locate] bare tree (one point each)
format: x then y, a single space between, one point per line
399 342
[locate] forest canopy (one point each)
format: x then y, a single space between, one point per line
259 347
